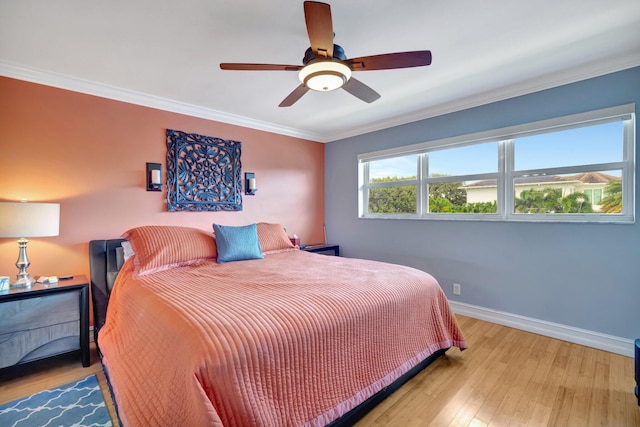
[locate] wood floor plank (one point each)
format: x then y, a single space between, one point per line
529 408
599 408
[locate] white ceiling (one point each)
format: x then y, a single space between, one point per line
166 54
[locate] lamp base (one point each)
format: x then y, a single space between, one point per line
22 279
23 283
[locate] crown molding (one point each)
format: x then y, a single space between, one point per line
62 81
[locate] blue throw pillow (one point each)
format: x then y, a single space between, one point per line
237 243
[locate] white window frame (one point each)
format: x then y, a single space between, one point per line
506 173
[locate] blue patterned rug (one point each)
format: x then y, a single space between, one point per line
75 404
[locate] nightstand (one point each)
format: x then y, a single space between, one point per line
325 249
44 321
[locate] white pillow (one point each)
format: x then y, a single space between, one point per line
128 250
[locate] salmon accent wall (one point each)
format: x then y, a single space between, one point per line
89 154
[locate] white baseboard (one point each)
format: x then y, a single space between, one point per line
597 340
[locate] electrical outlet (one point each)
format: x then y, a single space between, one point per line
456 288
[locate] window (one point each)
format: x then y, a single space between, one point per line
393 185
576 168
593 196
450 170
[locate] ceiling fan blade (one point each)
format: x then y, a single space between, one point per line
360 90
294 96
390 61
260 67
319 27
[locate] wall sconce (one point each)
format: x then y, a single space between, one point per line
154 177
250 188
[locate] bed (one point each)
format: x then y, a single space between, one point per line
192 332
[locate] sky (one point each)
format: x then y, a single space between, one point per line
594 144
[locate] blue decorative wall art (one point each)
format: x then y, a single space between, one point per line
203 173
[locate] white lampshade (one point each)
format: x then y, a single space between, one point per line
24 219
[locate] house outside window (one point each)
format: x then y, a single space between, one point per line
577 168
591 184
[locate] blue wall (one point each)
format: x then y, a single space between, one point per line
581 275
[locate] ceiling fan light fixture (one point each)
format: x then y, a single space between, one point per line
324 76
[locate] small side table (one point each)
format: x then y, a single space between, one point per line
325 249
45 320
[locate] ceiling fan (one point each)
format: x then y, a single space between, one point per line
326 66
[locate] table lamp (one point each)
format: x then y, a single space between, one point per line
23 219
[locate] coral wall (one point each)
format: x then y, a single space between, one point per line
89 154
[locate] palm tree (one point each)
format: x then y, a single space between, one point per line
440 204
546 200
576 203
612 201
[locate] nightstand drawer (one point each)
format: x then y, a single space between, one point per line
27 345
39 312
39 327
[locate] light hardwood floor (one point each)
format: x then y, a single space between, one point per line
507 377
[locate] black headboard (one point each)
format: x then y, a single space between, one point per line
105 260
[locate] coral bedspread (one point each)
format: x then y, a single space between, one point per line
292 339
